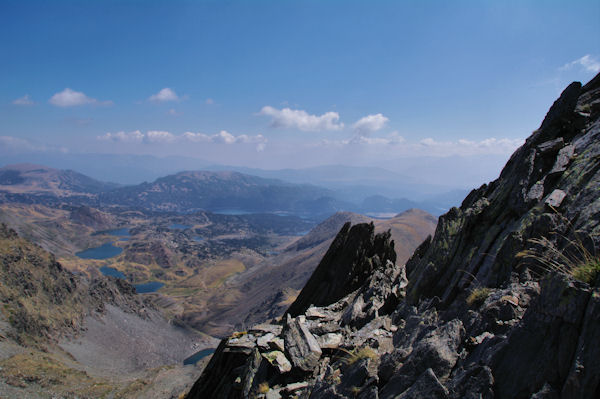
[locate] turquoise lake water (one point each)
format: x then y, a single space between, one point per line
198 355
109 250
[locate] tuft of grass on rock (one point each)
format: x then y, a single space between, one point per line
263 387
478 296
358 354
574 260
587 272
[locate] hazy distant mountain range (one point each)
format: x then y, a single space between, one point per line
417 179
219 191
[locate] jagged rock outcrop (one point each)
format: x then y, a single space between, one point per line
503 302
354 254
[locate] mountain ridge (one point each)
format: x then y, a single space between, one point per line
479 311
196 190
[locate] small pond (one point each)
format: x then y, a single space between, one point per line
232 212
124 232
151 286
111 271
198 355
104 251
177 226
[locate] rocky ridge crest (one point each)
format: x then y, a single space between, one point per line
468 316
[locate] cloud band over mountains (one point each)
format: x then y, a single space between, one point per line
164 137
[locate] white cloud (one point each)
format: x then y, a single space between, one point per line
164 137
25 100
468 147
369 124
159 136
164 95
587 62
131 137
224 137
395 144
301 120
392 139
71 98
197 137
173 112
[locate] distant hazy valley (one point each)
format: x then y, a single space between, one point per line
207 252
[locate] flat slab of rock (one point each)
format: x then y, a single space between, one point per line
555 198
300 345
278 360
277 344
330 340
263 342
264 328
242 341
295 386
563 158
315 313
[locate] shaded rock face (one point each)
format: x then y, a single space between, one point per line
468 316
354 254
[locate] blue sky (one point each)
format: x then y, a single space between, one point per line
277 84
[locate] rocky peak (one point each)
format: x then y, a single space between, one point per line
356 252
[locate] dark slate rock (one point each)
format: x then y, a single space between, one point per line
426 386
583 380
547 338
354 254
301 346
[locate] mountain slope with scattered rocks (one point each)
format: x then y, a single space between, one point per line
62 335
502 302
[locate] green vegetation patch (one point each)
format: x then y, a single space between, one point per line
587 272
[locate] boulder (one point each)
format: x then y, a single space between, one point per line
301 346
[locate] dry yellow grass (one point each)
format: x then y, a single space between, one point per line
45 370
